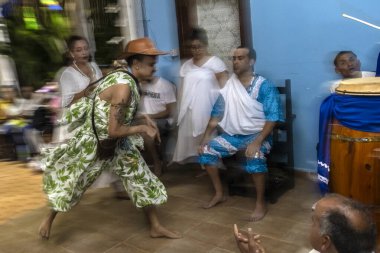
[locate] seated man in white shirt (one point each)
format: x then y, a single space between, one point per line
158 100
338 225
348 65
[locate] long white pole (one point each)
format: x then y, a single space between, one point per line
131 10
361 21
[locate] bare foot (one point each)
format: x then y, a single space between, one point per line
157 170
201 174
122 195
45 227
259 213
214 201
160 231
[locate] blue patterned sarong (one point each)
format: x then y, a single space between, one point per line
226 145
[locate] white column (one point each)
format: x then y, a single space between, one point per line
132 19
132 11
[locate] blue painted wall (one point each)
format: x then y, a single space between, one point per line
294 39
161 24
298 40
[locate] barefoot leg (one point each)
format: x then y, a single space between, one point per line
213 172
157 167
120 192
45 226
260 208
156 229
214 201
259 212
151 149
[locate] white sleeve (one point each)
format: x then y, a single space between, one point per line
334 85
69 88
217 65
98 72
59 74
185 68
168 91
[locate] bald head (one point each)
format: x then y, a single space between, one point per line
345 226
358 214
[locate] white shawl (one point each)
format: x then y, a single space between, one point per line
200 91
243 114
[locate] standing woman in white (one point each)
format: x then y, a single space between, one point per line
202 77
73 83
81 71
73 79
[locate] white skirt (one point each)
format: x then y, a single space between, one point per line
186 150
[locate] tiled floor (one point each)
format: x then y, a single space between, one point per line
20 190
100 223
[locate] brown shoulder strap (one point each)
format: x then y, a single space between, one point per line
93 100
114 71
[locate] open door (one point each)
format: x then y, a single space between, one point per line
227 22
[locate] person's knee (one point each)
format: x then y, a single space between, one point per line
208 159
256 166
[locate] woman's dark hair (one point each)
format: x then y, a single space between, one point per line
199 34
70 42
72 39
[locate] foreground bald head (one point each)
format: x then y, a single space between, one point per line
342 225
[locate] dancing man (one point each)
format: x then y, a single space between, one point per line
71 168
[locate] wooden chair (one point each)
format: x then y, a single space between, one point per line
280 161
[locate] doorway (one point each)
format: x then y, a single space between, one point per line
227 22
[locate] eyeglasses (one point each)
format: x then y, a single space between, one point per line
196 47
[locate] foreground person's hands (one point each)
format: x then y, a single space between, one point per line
248 242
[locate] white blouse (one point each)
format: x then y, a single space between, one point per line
72 82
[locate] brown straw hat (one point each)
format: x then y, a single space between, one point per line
142 46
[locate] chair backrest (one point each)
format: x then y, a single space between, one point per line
282 152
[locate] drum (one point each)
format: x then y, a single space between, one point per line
355 167
355 155
366 86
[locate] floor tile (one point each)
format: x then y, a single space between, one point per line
210 233
144 242
186 245
124 248
101 223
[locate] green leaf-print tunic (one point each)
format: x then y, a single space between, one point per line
72 167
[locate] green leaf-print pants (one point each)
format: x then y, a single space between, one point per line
72 167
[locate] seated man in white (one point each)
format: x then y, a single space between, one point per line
158 100
246 110
348 66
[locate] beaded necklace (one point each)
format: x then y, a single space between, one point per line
92 77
